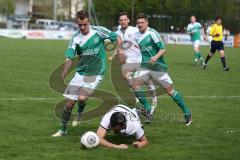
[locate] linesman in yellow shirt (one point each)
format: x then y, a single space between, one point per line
217 43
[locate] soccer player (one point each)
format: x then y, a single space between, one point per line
153 64
124 120
132 58
217 43
209 38
195 30
88 43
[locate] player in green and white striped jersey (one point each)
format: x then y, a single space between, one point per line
153 65
88 44
195 30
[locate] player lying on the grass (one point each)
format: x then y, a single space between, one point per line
88 43
153 64
121 120
195 30
132 58
217 43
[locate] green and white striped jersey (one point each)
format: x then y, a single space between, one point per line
195 29
91 50
150 43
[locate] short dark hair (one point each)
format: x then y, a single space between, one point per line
142 15
82 15
217 18
117 119
123 14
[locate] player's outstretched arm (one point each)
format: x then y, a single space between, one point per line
67 65
141 142
120 51
101 132
203 34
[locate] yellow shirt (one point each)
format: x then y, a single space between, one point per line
217 29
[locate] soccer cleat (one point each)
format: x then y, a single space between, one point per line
195 61
149 118
188 119
226 69
59 133
141 111
204 66
76 121
202 62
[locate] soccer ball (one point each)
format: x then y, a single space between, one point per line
89 140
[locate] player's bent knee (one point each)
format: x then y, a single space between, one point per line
82 98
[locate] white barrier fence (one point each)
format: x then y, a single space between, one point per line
185 39
36 34
45 34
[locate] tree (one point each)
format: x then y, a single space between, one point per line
177 12
7 7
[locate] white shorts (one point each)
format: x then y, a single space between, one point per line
161 78
196 44
131 67
87 83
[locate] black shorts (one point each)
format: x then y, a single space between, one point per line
216 45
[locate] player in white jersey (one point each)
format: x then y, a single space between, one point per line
209 38
124 120
132 57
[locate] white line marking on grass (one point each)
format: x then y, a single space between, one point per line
161 97
231 131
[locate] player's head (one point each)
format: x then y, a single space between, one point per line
218 20
123 19
193 19
83 22
142 22
117 122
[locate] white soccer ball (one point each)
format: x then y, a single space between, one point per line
89 140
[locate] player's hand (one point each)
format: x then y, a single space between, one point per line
153 60
137 144
122 146
204 37
217 35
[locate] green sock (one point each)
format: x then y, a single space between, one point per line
196 55
66 115
199 55
81 106
140 96
179 100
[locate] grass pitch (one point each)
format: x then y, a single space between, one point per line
28 119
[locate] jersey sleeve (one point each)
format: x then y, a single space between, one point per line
105 123
105 33
70 52
212 30
139 132
199 25
188 28
157 39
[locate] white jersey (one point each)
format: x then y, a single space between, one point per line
208 34
131 49
133 124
